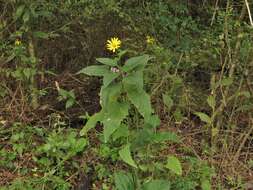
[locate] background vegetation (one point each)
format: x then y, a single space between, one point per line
177 115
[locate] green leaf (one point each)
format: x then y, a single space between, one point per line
124 181
80 144
247 107
166 136
134 62
108 78
179 117
152 121
157 185
71 94
19 11
121 53
110 93
122 131
40 34
17 73
44 13
141 100
95 70
215 131
125 155
206 185
27 72
26 16
3 93
167 100
113 117
142 138
63 93
204 117
174 165
107 61
70 102
244 93
91 123
134 81
100 70
227 81
211 101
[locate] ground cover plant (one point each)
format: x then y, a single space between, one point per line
126 95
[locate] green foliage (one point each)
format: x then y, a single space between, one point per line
157 184
125 155
68 96
7 158
115 106
186 69
199 175
174 165
167 101
123 88
50 159
124 181
204 117
62 146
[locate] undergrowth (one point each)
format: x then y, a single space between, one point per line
126 95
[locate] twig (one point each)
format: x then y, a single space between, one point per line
156 88
215 11
250 17
247 135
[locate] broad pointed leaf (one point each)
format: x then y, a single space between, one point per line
109 93
142 138
26 16
126 156
134 81
95 70
226 81
107 61
141 100
19 11
124 181
167 100
157 185
108 78
211 101
174 165
122 131
113 118
91 123
204 117
153 121
134 62
206 185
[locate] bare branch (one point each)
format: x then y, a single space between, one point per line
250 17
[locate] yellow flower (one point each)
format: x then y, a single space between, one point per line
113 44
150 40
17 42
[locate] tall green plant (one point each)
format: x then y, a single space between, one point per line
122 87
26 16
121 93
